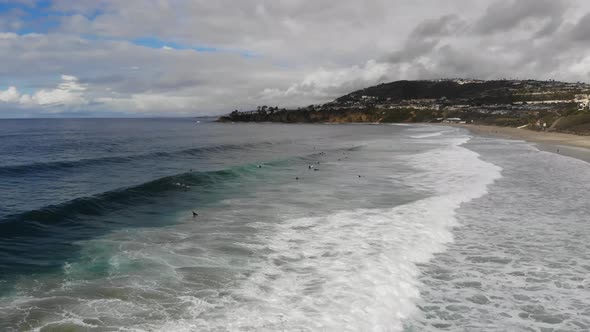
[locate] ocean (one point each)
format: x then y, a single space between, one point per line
299 228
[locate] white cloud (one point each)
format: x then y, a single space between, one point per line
325 84
11 95
8 35
68 93
307 51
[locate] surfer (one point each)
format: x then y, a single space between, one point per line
195 214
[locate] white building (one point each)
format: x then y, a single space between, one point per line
583 101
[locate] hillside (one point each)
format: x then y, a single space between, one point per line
492 92
543 105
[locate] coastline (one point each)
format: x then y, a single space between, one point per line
571 145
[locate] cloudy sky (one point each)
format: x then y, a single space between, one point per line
197 57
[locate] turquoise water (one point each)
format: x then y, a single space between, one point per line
299 228
97 226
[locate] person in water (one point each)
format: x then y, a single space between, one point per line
195 214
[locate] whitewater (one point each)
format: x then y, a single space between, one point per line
300 228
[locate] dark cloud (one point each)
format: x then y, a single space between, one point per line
413 49
581 31
512 39
438 27
505 15
425 37
307 51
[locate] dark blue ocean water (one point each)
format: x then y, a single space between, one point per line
65 180
46 162
300 228
96 225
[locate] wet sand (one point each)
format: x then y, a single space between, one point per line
567 144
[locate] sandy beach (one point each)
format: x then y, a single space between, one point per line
567 144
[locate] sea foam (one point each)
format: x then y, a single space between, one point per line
357 270
265 263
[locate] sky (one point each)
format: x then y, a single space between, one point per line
105 58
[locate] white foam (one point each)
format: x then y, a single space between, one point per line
432 131
356 270
351 270
427 135
521 262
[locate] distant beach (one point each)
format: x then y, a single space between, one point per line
571 145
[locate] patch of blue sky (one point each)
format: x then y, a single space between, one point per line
6 6
157 43
42 18
153 42
39 17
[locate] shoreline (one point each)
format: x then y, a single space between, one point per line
570 145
